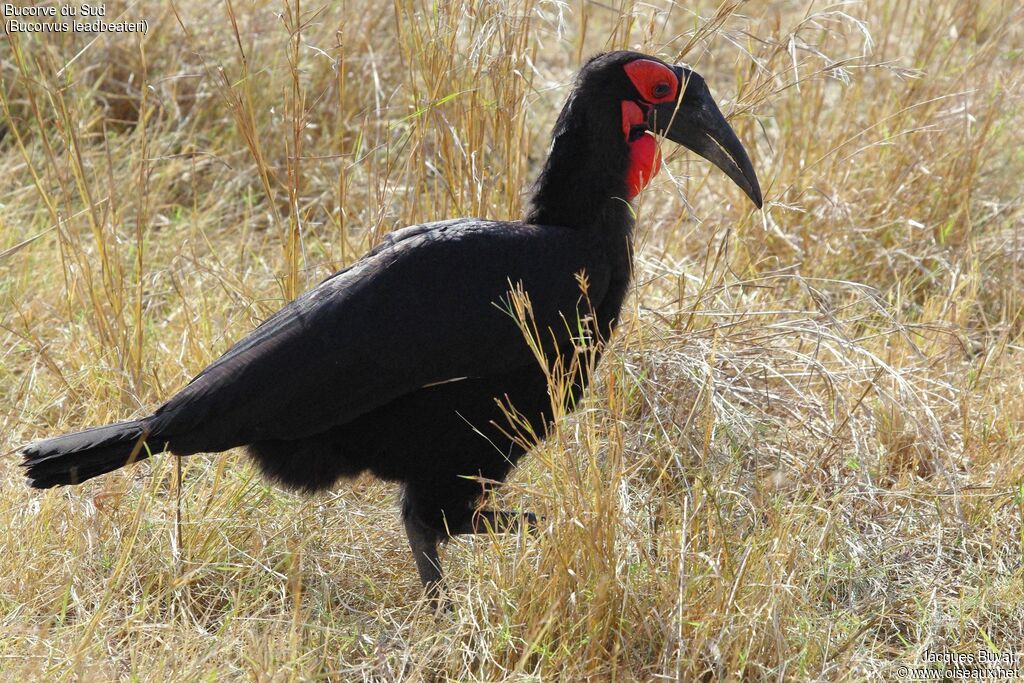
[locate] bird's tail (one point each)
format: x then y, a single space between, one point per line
74 458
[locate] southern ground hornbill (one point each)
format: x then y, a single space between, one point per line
405 363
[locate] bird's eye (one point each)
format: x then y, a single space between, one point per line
661 90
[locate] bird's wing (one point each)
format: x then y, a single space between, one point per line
429 305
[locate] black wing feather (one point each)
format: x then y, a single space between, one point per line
373 332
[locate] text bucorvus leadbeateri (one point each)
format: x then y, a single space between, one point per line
397 363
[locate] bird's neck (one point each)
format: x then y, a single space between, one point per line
584 180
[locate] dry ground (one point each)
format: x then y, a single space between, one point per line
804 457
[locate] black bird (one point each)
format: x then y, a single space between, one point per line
400 364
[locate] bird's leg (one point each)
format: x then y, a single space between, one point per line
498 521
423 542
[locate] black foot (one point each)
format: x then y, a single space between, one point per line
499 522
423 540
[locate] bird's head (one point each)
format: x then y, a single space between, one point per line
653 97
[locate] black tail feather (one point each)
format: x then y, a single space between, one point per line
74 458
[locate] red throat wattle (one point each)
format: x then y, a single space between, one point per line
644 156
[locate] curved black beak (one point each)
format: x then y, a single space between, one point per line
695 122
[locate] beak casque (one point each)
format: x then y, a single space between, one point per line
695 122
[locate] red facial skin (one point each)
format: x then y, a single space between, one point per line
647 75
656 84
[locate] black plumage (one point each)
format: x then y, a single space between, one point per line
399 364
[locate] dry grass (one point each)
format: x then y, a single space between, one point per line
803 458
